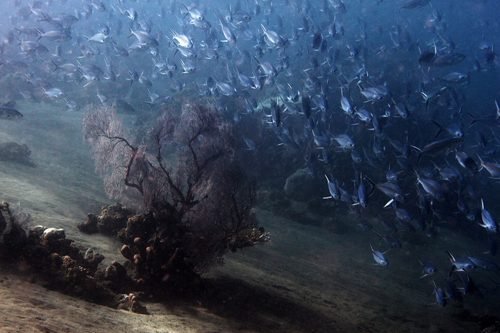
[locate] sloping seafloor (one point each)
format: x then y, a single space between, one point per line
307 279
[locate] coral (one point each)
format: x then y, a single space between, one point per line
112 219
12 235
5 222
130 302
194 200
65 266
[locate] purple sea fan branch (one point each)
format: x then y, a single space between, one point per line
113 153
197 198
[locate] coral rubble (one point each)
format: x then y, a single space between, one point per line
64 266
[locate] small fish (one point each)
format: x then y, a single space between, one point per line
448 59
345 104
364 116
455 77
430 186
361 193
356 156
438 146
460 264
392 190
250 144
373 94
194 13
439 295
317 41
391 175
144 38
402 215
306 106
469 287
452 291
332 189
182 40
9 113
489 222
498 109
428 269
225 88
276 113
344 141
98 38
53 92
123 106
272 39
55 35
228 34
454 129
379 257
466 161
492 168
485 264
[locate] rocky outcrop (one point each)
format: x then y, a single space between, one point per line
302 186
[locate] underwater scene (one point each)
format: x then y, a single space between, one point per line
249 166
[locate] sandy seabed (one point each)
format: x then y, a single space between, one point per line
307 279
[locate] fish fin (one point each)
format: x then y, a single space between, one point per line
389 203
452 269
416 148
440 128
452 258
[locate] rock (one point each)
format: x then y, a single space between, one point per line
89 226
126 252
138 227
110 221
15 152
302 186
113 218
93 258
36 231
115 272
131 303
51 234
64 266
